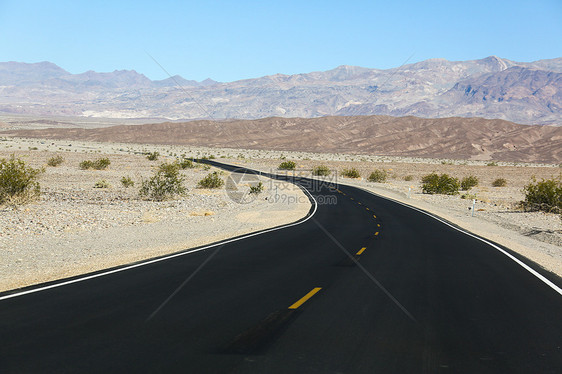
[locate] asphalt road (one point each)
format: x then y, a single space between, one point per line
365 285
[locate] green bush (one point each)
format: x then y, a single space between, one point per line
351 173
153 156
102 184
287 165
99 164
166 183
186 164
55 160
408 178
212 180
378 176
468 182
321 171
493 163
545 195
500 182
127 182
86 164
257 189
18 182
440 184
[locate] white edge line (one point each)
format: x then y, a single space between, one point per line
521 263
168 257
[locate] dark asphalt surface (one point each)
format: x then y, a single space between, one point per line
422 297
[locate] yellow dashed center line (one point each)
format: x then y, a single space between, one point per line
361 251
359 203
352 198
305 298
377 233
378 225
367 208
374 216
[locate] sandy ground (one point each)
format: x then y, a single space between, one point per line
75 228
86 231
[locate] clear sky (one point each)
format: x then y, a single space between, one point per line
231 40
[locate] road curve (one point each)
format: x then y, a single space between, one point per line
364 285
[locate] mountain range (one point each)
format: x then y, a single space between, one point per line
494 88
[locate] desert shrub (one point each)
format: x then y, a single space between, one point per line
351 173
493 163
545 195
168 168
99 164
18 182
500 182
468 182
212 180
127 182
378 176
408 178
321 170
167 182
186 164
287 165
440 184
102 184
86 164
153 156
55 160
257 189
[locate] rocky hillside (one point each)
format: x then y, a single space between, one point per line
454 138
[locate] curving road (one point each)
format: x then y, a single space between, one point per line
365 285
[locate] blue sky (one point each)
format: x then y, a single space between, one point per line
231 40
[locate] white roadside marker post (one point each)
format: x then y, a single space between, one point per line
473 206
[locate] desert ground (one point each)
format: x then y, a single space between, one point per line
75 228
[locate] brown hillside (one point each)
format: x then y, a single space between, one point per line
456 138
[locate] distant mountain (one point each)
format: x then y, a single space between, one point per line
49 75
21 74
522 92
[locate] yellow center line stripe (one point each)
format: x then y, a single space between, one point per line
352 198
374 216
359 203
361 251
378 225
305 298
367 208
376 233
